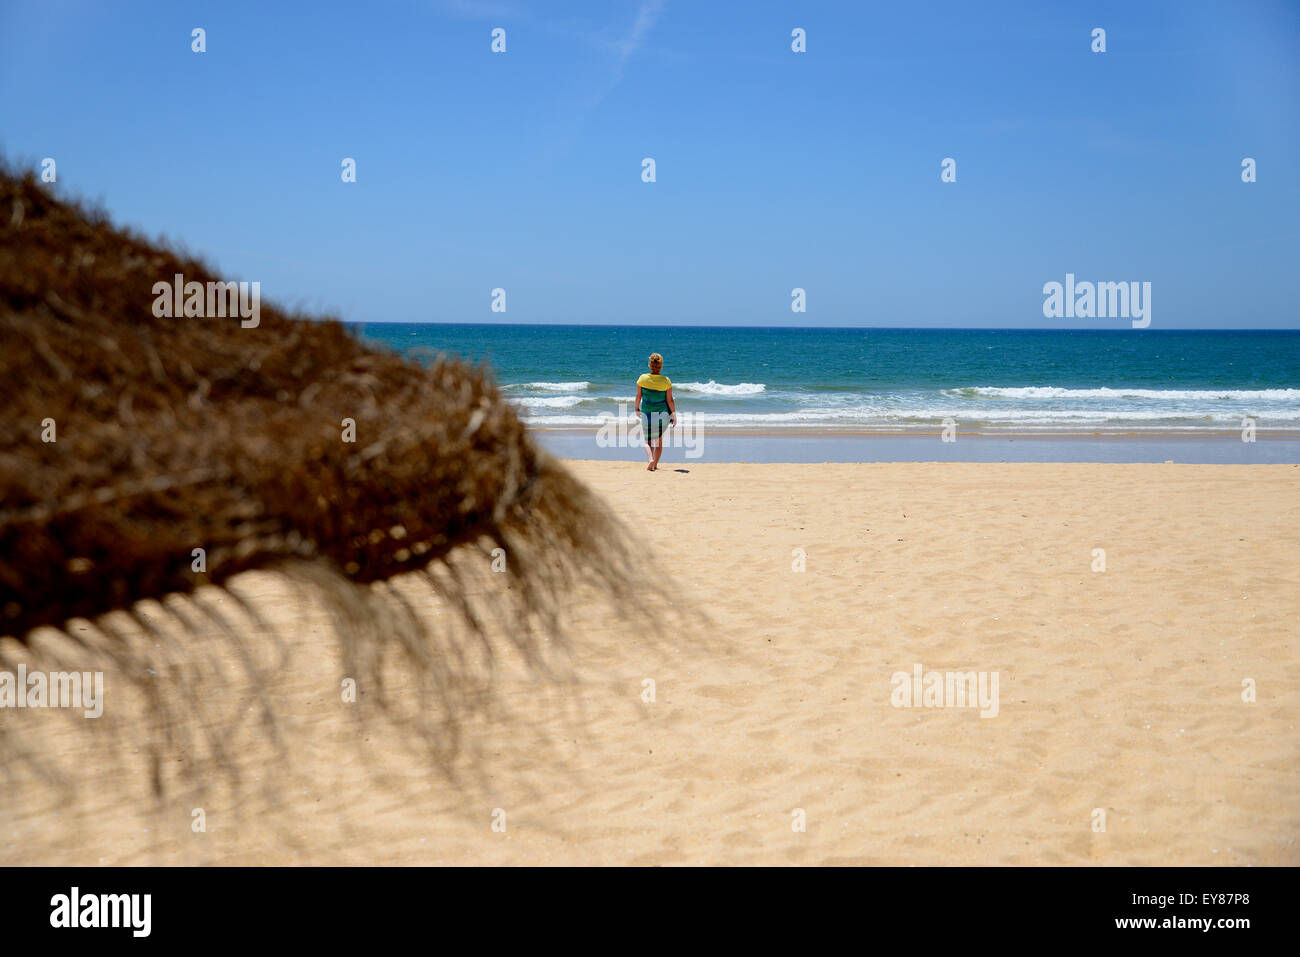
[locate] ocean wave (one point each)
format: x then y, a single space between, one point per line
879 417
717 388
550 402
1081 417
1053 392
551 386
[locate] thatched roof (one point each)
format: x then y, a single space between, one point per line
180 433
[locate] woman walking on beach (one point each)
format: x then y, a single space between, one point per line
655 406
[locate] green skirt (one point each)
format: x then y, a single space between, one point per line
654 423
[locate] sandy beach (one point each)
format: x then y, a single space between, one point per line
1120 737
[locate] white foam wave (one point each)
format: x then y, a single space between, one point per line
551 402
1053 392
881 417
551 386
718 388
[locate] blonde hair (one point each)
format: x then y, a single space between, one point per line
656 362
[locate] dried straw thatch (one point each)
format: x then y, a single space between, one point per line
180 433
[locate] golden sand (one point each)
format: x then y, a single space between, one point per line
1121 693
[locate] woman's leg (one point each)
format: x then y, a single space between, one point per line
646 422
662 433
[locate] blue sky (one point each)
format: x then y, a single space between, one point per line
819 170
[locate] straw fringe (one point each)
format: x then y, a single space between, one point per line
181 433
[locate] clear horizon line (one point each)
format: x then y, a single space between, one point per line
700 325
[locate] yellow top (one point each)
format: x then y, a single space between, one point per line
651 380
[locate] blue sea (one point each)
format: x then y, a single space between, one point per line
887 379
